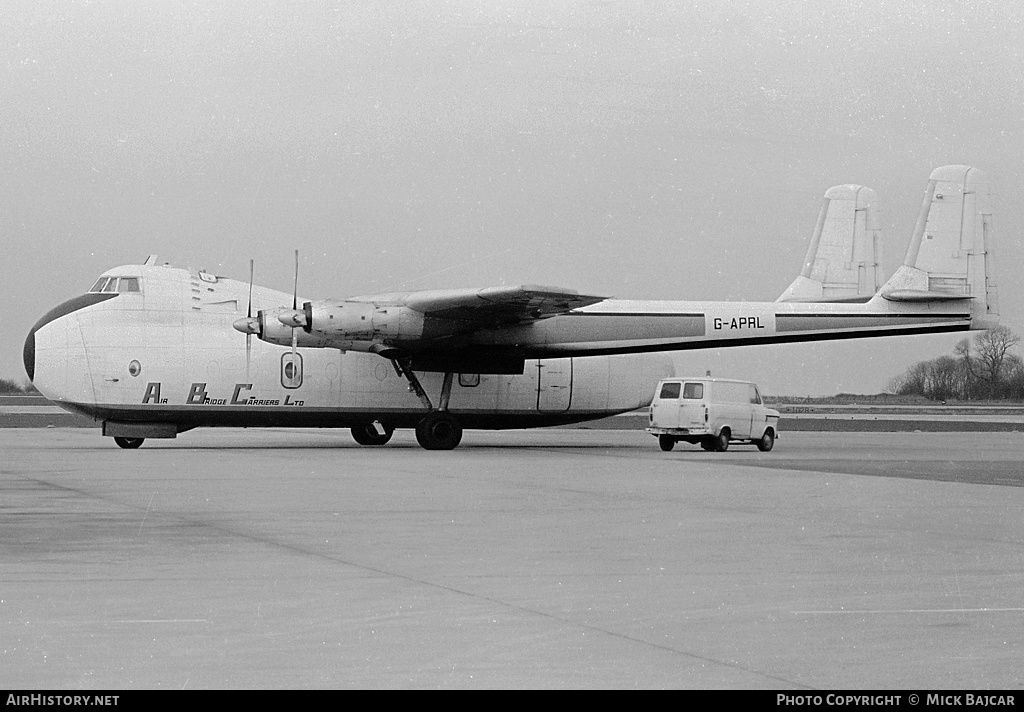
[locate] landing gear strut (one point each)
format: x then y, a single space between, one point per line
439 429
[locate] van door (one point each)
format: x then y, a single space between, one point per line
735 405
665 406
693 405
756 413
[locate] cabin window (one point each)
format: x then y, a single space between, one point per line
469 380
98 287
669 391
693 391
110 286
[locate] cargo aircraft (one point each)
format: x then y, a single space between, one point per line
152 351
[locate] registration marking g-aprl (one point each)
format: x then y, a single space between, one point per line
746 320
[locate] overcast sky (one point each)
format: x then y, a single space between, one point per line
662 150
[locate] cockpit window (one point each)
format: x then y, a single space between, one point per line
116 284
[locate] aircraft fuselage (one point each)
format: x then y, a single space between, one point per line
165 359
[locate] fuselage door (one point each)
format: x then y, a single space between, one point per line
111 380
554 384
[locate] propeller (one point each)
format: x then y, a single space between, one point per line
249 325
296 318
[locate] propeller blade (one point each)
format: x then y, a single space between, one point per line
295 291
248 308
248 319
295 304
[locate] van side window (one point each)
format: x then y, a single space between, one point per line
669 391
693 391
755 397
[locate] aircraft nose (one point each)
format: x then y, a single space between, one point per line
29 355
69 307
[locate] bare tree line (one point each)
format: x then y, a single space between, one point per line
979 369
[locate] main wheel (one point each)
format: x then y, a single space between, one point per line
722 440
439 431
767 441
667 442
367 434
129 443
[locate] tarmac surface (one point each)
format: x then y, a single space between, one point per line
541 559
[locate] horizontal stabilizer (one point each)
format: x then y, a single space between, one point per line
921 295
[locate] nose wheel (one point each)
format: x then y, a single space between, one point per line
367 434
129 443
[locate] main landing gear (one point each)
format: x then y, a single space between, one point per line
439 429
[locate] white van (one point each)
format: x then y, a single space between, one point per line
712 412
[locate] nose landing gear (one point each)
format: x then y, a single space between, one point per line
368 434
129 443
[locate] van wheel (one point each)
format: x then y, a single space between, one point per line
667 442
767 441
722 440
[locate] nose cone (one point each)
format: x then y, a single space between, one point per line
54 348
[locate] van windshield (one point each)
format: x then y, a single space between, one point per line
693 391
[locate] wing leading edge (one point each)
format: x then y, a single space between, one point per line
498 306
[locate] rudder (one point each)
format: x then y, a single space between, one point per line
842 260
950 254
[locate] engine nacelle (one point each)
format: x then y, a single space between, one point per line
347 324
270 329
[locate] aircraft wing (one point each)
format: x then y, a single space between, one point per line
498 306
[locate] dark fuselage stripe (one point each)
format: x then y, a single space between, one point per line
541 352
672 314
815 322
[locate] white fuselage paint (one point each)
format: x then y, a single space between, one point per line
170 354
